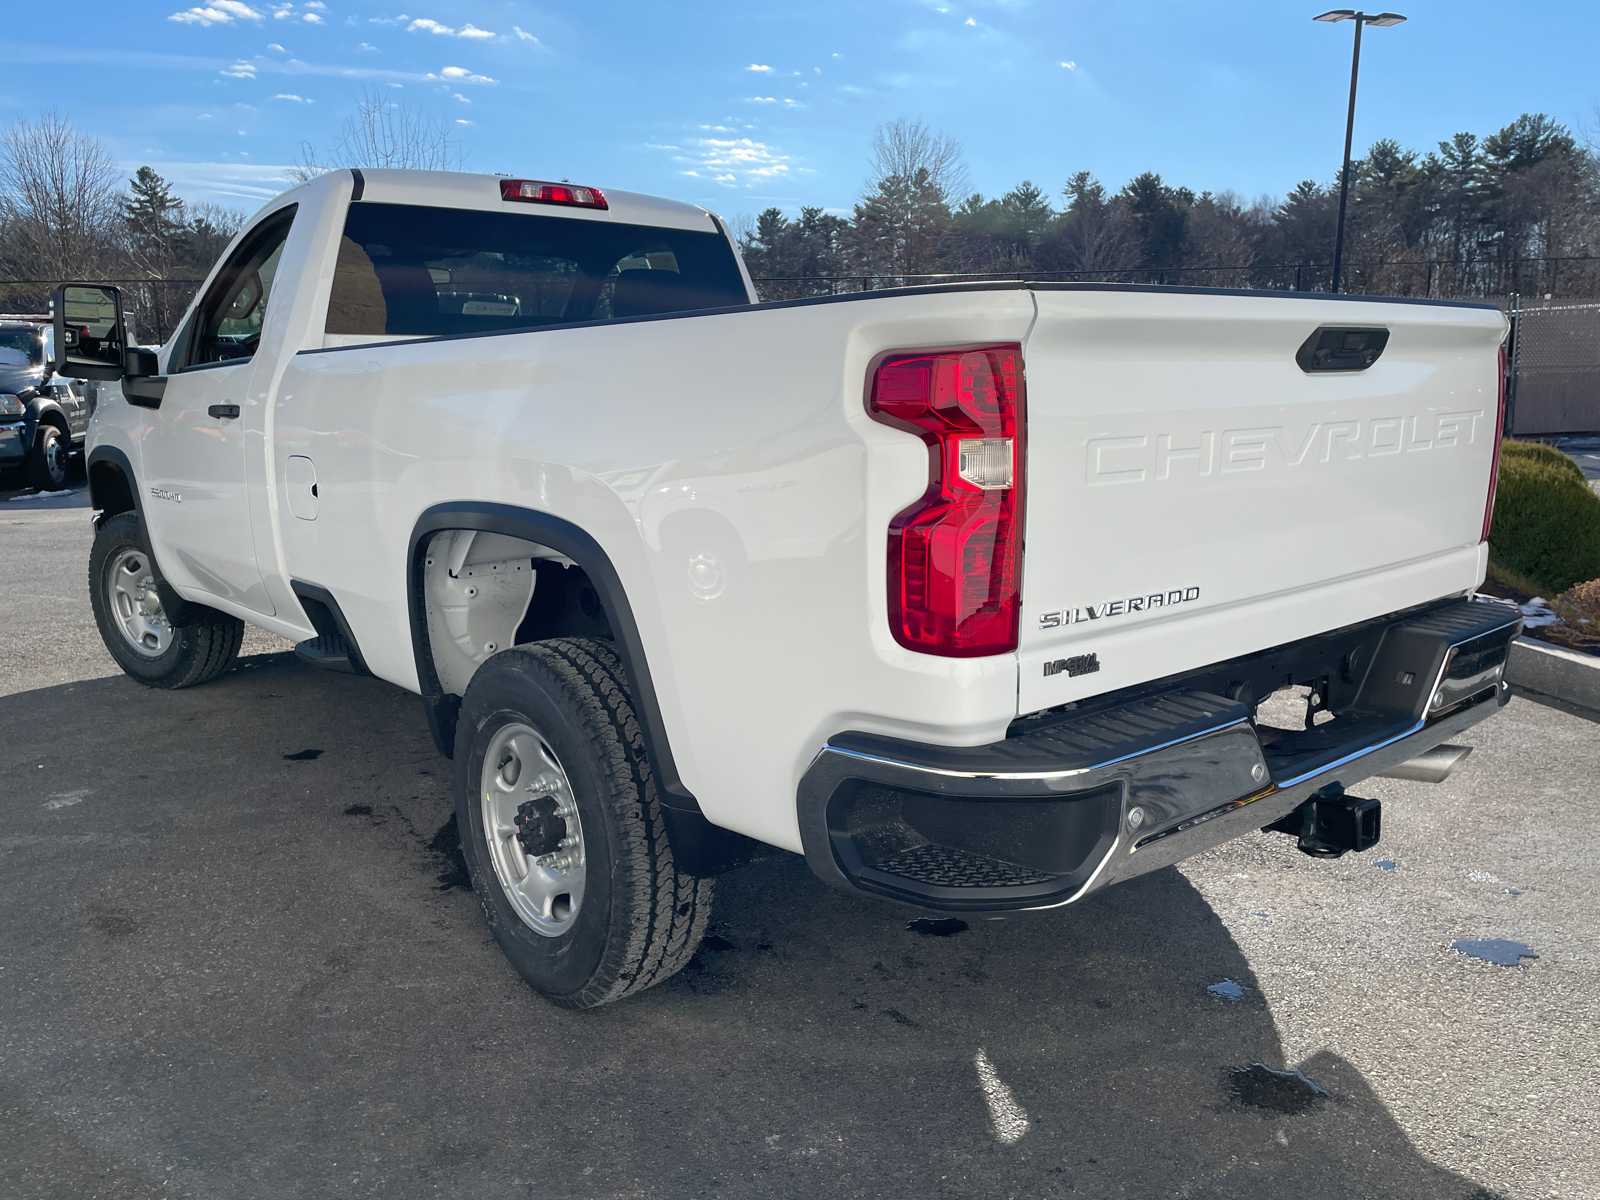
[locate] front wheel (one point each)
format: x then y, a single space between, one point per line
562 827
134 624
47 461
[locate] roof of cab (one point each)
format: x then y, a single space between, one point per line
458 189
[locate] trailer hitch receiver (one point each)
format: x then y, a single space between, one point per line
1331 823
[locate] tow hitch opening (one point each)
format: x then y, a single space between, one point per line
1332 823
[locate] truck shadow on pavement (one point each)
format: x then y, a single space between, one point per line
237 967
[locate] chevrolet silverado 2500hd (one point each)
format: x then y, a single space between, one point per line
970 594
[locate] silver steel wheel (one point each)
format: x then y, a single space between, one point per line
530 822
131 597
55 458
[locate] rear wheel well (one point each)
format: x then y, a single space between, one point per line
485 592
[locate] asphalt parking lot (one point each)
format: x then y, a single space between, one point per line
238 959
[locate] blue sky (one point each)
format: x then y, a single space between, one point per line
739 106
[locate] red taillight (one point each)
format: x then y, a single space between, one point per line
531 191
955 556
1494 465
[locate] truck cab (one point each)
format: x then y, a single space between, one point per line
44 418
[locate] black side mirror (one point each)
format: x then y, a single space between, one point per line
91 339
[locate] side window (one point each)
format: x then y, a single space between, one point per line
227 326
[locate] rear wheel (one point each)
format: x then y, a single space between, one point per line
562 827
134 623
47 461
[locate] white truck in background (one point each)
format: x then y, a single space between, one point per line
970 594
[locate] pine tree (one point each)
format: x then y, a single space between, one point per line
902 226
154 216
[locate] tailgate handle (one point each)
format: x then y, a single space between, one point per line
1341 348
223 411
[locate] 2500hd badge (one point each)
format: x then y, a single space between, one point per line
1117 608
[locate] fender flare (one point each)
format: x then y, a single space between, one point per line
564 538
110 457
699 847
47 412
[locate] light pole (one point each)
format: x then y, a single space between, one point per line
1360 18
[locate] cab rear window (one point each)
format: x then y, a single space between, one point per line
421 271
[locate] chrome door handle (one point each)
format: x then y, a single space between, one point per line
223 411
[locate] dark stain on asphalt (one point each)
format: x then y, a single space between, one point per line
899 1018
113 922
937 926
1259 1086
713 942
1498 951
447 845
304 756
358 810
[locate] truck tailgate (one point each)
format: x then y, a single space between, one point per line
1193 494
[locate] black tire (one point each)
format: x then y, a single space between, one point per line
640 919
204 642
47 461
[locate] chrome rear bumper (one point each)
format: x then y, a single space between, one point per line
1082 799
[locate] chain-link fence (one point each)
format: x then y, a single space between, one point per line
1430 278
1554 384
157 305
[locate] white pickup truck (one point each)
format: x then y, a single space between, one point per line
971 594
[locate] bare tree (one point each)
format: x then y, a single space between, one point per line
59 199
383 133
901 148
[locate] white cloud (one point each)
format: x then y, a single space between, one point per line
462 98
292 96
312 18
970 21
367 47
763 99
524 36
240 70
757 67
460 75
275 46
317 4
1069 65
428 25
216 180
732 162
282 11
217 12
459 121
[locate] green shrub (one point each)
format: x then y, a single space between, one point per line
1546 518
1538 452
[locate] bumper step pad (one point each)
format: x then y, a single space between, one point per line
946 867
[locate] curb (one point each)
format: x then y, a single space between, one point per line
1554 671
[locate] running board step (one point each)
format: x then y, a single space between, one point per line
330 651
